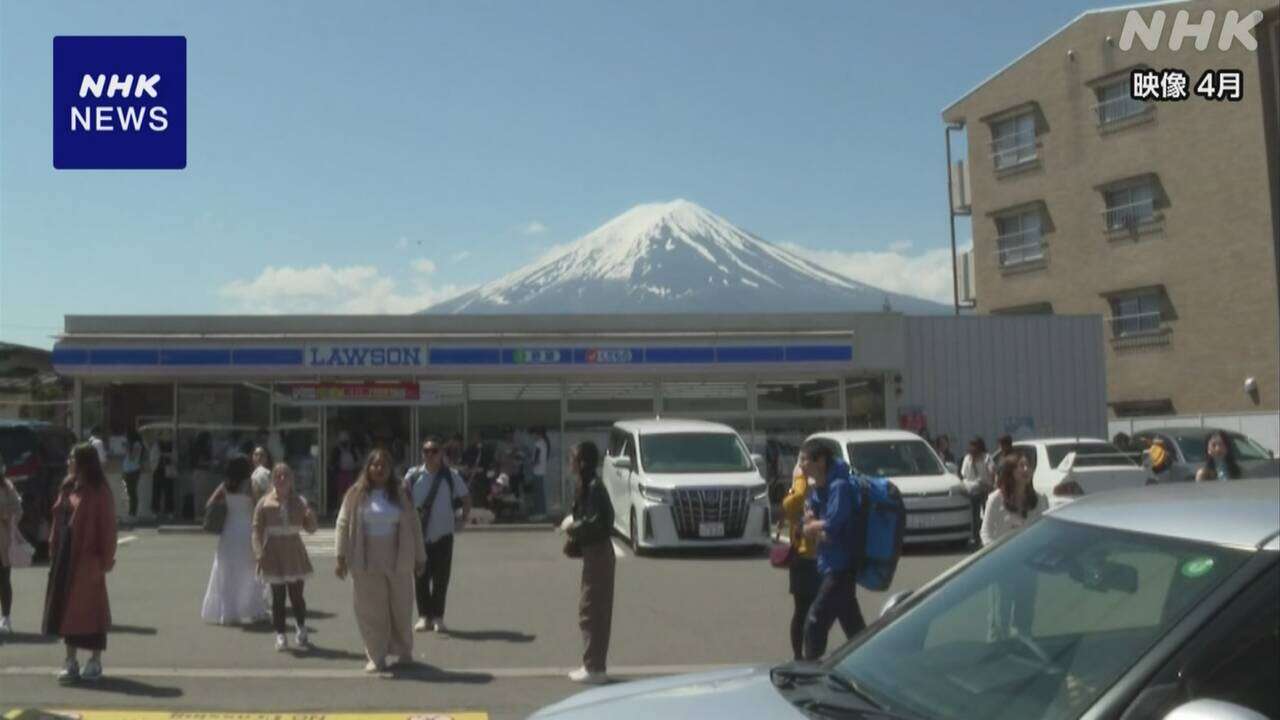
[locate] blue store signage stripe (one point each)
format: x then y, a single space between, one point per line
195 357
820 353
750 354
124 357
266 356
465 356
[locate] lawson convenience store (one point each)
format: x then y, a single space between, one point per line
199 389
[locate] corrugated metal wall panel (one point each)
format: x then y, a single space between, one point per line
976 375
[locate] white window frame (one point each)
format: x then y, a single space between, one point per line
1129 205
1116 103
1020 238
1014 140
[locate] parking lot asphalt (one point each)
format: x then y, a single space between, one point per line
512 616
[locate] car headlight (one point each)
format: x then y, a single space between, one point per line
759 492
653 494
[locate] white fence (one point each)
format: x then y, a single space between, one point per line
1263 427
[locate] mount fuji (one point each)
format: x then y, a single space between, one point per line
676 257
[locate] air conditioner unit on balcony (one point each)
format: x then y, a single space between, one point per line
961 200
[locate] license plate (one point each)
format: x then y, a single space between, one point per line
919 522
711 529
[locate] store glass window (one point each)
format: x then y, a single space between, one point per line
442 413
620 399
703 397
294 439
216 422
797 395
512 426
136 420
864 402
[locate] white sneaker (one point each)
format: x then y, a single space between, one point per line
301 637
70 672
439 627
582 675
6 625
282 642
422 625
92 670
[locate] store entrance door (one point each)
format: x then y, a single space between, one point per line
351 433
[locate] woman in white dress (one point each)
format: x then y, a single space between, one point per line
235 593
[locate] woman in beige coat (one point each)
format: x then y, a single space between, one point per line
379 541
282 558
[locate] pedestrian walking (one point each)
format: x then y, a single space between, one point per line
82 545
10 512
134 457
589 528
437 490
536 486
978 475
1014 504
261 476
803 578
234 594
379 541
1219 459
100 447
831 523
281 557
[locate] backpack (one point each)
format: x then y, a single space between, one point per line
881 521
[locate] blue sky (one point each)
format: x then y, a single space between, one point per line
376 156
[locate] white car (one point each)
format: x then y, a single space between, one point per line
1069 467
938 510
684 484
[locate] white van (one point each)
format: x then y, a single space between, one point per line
684 484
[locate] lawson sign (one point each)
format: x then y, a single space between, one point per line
365 356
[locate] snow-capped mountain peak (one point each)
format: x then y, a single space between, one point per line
675 257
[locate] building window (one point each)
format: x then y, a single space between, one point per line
1013 141
1019 238
1130 206
1116 103
1136 314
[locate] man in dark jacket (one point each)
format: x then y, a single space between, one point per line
831 520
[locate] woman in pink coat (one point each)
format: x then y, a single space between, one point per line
82 546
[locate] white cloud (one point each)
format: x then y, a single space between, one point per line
460 255
356 289
402 243
424 266
900 246
533 227
926 274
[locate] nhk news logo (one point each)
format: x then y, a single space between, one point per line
119 102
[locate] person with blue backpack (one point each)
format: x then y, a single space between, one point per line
831 521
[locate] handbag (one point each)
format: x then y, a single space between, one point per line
20 551
781 555
572 549
215 517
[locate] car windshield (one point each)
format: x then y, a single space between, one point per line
894 458
1088 454
1193 447
694 452
1039 627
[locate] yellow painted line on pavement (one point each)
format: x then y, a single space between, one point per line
189 715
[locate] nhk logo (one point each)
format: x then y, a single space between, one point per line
1234 29
120 102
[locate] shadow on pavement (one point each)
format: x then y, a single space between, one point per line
421 672
133 630
125 686
749 554
27 639
511 636
321 653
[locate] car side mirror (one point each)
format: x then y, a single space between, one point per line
758 460
622 463
894 601
1213 710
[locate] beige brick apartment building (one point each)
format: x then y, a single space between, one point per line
1162 217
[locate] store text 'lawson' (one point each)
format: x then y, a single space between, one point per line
366 356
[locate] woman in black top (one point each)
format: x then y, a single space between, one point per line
589 538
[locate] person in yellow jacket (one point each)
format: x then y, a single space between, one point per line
804 578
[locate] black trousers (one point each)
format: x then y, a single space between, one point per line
295 599
161 487
6 591
433 585
131 484
836 600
